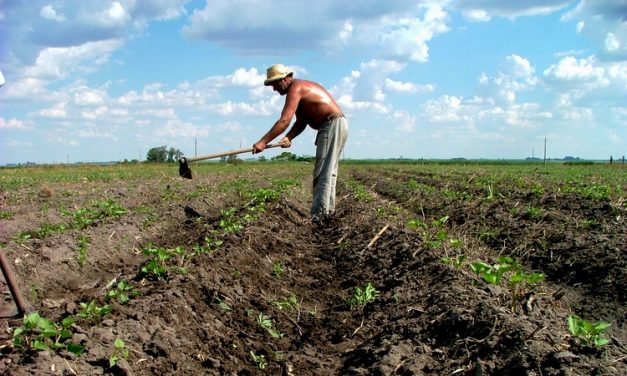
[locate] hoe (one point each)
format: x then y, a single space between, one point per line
186 172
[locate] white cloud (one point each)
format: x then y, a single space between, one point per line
49 13
12 123
481 10
58 111
612 43
406 87
399 30
515 74
604 22
569 69
404 122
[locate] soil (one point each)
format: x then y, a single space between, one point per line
429 317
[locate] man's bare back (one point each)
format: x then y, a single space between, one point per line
308 101
315 105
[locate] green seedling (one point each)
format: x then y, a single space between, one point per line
40 333
157 266
91 312
228 222
83 243
266 323
277 269
362 296
289 303
223 305
119 352
457 261
259 360
123 292
587 333
493 274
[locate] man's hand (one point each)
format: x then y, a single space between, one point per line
285 142
259 147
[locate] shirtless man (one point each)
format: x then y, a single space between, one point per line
314 106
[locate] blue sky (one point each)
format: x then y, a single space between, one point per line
97 80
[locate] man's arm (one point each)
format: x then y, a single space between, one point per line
289 109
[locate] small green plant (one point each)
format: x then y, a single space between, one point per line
289 303
266 323
83 243
362 296
157 266
91 312
259 360
122 292
533 212
40 333
277 269
228 222
223 305
119 352
457 261
587 333
493 273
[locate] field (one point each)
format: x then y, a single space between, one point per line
426 269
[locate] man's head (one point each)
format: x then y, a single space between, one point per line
276 77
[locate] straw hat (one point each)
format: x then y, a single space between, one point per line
276 72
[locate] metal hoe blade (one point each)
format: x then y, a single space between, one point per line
184 170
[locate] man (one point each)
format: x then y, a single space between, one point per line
314 106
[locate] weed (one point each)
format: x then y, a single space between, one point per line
362 296
40 333
228 222
588 333
259 360
91 312
457 262
266 323
533 213
123 292
119 352
157 266
277 269
83 242
288 304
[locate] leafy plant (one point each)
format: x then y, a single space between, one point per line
588 333
457 261
123 292
91 312
277 269
289 303
259 360
228 222
40 333
157 266
83 243
362 296
119 351
266 323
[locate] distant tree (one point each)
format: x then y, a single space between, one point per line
162 154
262 159
174 155
157 154
285 156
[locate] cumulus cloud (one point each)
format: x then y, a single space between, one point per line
12 123
400 29
484 10
515 74
604 22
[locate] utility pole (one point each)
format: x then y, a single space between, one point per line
545 151
195 147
